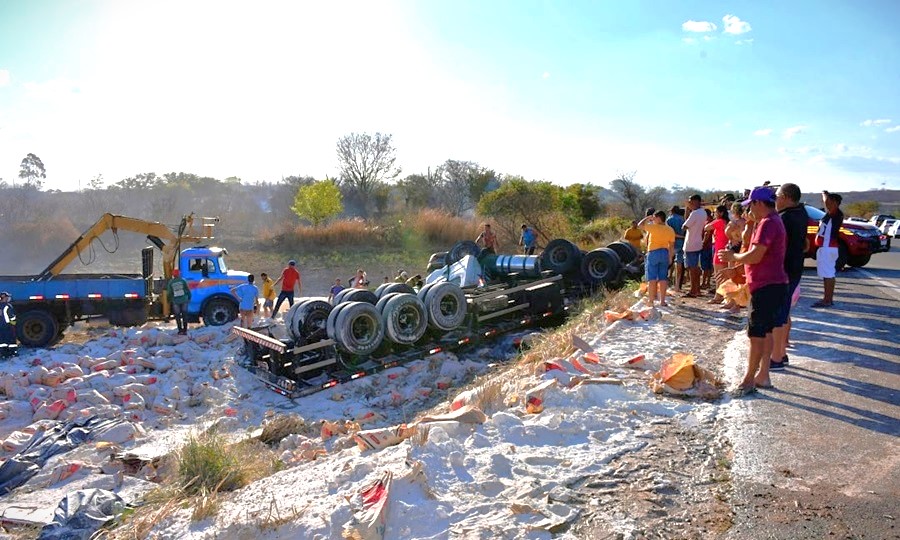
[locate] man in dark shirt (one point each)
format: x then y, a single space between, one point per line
793 215
827 240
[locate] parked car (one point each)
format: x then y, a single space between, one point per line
856 219
878 219
858 241
894 231
885 225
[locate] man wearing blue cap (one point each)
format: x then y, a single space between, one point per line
289 277
767 280
8 344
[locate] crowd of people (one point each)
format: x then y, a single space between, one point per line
751 256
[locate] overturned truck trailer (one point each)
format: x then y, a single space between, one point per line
469 296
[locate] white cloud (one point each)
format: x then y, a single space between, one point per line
892 129
709 38
689 40
763 132
546 75
744 41
4 77
698 26
841 148
876 122
790 132
734 25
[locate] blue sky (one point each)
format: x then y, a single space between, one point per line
709 94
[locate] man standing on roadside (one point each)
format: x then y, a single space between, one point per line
488 239
289 277
827 240
768 282
179 296
693 243
660 251
528 240
675 221
634 235
268 293
793 215
248 296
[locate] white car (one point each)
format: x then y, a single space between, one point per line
894 230
886 226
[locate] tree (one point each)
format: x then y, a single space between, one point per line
519 201
419 190
366 161
635 197
581 202
863 209
318 202
32 171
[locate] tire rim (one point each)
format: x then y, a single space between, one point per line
408 320
559 256
362 328
598 269
220 315
448 305
34 330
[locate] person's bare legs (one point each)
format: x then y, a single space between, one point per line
754 358
787 334
651 291
762 376
829 290
779 342
717 272
694 272
663 285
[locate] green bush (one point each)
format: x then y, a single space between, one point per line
601 232
207 464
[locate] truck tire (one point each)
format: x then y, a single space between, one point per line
858 261
360 295
219 311
339 297
288 319
404 317
380 289
461 249
359 328
331 322
384 300
436 261
310 319
626 252
600 266
424 291
36 328
396 288
446 306
560 256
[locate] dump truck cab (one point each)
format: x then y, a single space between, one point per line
210 280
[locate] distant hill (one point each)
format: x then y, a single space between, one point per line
888 199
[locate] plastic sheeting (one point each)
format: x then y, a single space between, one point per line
21 467
81 514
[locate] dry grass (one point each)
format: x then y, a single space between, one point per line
441 228
601 232
280 427
337 234
199 475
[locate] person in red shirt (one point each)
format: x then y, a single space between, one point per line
719 242
288 279
768 282
827 241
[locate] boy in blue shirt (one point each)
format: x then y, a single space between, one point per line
528 241
248 296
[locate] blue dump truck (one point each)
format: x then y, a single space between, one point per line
48 303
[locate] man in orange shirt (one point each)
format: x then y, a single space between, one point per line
289 277
660 252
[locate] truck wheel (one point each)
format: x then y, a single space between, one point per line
446 306
360 295
310 319
843 256
560 256
600 266
288 319
461 249
858 261
396 287
331 322
219 311
36 328
404 317
359 328
339 297
626 252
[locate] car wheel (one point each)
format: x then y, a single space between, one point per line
858 261
219 311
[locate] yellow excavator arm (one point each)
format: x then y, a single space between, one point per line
166 239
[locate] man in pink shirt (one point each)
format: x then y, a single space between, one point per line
767 281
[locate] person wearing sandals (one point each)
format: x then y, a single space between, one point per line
660 252
827 241
793 215
768 282
693 243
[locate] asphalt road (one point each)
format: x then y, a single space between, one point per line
819 455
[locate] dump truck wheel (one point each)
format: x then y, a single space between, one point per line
360 295
311 318
560 256
359 328
36 328
446 306
288 319
626 252
339 297
600 266
219 311
331 322
405 319
396 288
461 249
